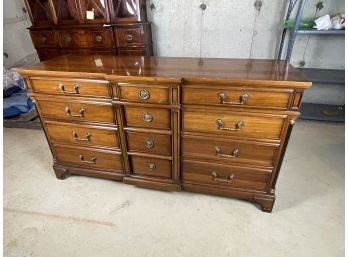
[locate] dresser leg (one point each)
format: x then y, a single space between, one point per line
265 201
60 171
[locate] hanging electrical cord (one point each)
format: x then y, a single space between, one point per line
203 7
257 5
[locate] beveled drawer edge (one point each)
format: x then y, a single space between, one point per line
93 126
237 86
96 81
87 148
91 168
264 169
148 130
149 155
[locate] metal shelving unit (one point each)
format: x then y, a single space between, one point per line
296 30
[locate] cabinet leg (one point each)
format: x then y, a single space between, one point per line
265 201
60 171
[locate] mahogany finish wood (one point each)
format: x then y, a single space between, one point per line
215 126
113 26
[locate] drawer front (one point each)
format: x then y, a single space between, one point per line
237 97
91 136
225 176
149 143
44 38
147 117
134 51
130 36
73 38
77 111
100 38
233 151
237 124
151 167
75 88
144 93
90 158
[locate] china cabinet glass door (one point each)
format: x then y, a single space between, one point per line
125 10
40 11
94 11
66 11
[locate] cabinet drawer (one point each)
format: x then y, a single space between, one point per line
149 143
100 38
90 158
238 124
225 176
233 151
237 97
144 93
86 135
76 88
151 167
147 117
77 111
73 38
130 36
44 38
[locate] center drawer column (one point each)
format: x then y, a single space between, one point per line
149 127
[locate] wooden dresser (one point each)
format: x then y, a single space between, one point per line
215 126
63 27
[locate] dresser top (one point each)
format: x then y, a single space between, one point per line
169 69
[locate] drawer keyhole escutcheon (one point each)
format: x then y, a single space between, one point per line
92 161
129 37
148 117
144 94
242 99
76 89
234 153
43 39
87 137
81 113
216 178
149 143
221 125
67 39
151 166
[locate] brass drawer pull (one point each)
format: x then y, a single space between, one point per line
92 161
147 117
149 143
76 89
151 166
67 39
43 39
237 127
99 38
234 153
228 180
80 115
242 99
144 94
87 137
129 37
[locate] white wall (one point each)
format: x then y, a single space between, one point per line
17 42
227 26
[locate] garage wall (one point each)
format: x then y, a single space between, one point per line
230 28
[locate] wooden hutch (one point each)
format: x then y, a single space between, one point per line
89 26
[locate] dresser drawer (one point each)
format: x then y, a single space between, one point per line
71 87
233 151
225 176
238 124
151 167
149 143
73 38
79 134
147 117
44 38
130 36
100 38
237 97
77 111
90 158
144 93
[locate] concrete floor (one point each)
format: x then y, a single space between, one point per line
83 216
